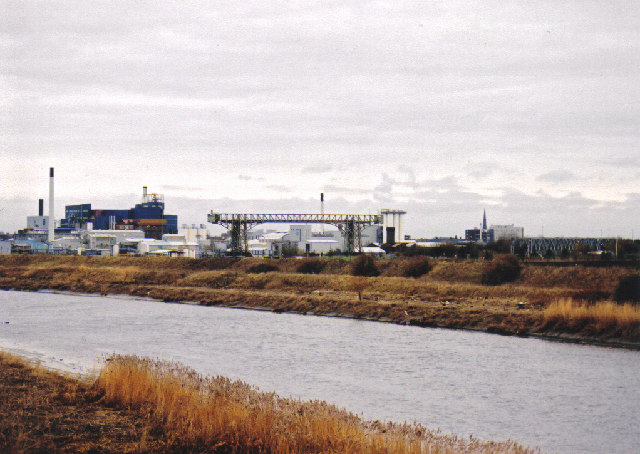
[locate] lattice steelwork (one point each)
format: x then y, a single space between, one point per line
239 224
540 245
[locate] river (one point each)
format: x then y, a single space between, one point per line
564 398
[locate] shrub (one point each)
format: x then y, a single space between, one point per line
505 268
358 284
289 250
627 289
310 266
416 267
364 265
262 268
211 263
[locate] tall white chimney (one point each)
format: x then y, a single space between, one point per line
52 220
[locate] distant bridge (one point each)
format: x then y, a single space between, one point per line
240 224
541 245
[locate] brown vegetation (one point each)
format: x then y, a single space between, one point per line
451 294
41 411
138 405
504 268
602 318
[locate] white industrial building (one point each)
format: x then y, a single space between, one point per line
302 237
195 234
174 247
506 232
38 222
392 228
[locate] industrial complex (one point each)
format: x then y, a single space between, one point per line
145 229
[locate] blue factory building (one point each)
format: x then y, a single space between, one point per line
147 216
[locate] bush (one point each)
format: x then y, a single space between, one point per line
416 267
364 265
211 263
310 266
627 289
505 268
262 268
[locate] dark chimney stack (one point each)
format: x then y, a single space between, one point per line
40 207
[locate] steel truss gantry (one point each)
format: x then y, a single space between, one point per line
540 245
239 224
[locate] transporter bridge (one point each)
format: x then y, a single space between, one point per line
239 224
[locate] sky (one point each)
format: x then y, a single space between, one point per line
528 110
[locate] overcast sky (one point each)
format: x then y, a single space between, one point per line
529 110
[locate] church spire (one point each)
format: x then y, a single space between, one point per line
484 220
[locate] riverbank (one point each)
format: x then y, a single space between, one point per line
138 405
450 296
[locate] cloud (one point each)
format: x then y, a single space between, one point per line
365 100
482 169
280 188
317 169
172 187
330 189
556 176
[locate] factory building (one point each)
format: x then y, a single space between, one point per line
147 216
507 232
306 241
493 233
392 229
40 221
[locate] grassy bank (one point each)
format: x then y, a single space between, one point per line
138 405
450 295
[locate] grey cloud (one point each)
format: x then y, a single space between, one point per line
482 169
556 176
280 188
362 86
172 187
317 169
344 190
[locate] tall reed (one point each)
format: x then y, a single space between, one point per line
621 320
218 415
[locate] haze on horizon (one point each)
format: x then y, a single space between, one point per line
443 109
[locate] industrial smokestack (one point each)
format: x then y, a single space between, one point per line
322 209
52 220
40 207
144 193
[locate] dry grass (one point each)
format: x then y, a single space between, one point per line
42 411
139 405
575 277
217 415
604 319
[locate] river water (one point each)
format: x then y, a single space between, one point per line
563 398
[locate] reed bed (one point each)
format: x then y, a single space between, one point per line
218 415
606 318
